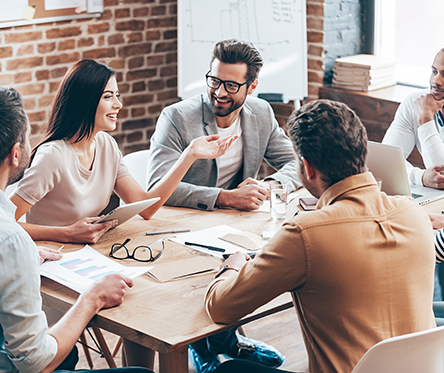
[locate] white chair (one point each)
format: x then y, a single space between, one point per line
137 163
410 353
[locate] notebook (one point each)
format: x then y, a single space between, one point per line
387 163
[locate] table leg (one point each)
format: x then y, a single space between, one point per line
174 362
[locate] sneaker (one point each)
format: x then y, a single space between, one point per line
202 365
256 351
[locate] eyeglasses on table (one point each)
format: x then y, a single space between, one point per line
141 253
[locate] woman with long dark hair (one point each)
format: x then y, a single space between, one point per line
77 167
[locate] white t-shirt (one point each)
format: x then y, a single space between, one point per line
61 190
231 162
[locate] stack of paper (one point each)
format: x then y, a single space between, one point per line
363 72
226 239
79 269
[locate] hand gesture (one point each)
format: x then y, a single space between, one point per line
425 107
85 231
433 177
46 253
210 147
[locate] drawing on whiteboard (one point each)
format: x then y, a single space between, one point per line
276 28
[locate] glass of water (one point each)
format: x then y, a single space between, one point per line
278 200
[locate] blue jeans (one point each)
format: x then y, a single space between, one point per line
438 309
68 365
439 282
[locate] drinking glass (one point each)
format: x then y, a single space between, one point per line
278 200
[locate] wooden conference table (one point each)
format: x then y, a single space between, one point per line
167 316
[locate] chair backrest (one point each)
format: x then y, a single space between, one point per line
137 163
410 353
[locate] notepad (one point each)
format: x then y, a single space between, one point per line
246 240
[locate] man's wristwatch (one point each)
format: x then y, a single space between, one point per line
224 269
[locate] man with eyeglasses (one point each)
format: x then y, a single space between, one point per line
228 109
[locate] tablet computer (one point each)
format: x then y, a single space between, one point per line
125 212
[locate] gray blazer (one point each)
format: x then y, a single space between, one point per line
182 122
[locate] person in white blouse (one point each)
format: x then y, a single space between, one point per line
419 121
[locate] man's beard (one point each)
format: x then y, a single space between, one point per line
223 112
20 170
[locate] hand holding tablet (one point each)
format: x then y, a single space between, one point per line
126 212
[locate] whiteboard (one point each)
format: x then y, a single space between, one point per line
277 28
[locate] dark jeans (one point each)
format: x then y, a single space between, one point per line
116 370
68 365
244 366
438 309
220 343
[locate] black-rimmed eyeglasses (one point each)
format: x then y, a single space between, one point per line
141 253
230 87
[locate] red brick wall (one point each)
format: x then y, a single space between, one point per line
315 47
138 38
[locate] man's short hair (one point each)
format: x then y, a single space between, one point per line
13 121
234 51
331 137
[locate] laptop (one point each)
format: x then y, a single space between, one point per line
125 212
387 163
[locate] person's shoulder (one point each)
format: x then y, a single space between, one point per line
52 152
107 144
187 106
413 96
255 103
12 232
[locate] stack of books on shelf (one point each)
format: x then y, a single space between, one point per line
363 72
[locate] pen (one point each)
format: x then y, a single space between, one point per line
60 248
169 231
206 246
251 255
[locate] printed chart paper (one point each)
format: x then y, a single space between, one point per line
79 269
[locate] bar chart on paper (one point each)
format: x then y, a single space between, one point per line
86 268
78 269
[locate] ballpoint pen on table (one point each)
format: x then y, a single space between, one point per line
168 231
209 247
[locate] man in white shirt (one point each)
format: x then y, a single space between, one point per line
26 343
419 121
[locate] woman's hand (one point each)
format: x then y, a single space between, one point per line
85 231
210 147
